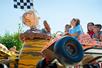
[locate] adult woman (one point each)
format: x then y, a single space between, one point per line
76 28
90 26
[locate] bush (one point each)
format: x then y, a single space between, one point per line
10 40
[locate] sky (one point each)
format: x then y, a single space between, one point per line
56 12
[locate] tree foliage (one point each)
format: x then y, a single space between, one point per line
10 40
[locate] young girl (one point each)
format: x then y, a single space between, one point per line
90 27
76 29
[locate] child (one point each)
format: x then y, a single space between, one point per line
76 28
97 32
90 26
67 27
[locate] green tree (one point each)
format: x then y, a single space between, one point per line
10 40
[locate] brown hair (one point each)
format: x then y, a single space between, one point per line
90 23
69 26
98 26
77 21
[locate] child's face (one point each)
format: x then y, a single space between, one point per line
73 23
90 27
68 27
95 29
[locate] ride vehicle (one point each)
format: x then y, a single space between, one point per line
65 51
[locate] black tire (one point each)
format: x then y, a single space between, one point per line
69 50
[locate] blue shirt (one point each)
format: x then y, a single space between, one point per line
78 29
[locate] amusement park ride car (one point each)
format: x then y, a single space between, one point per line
62 51
68 51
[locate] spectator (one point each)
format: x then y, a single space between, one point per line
76 29
97 32
90 26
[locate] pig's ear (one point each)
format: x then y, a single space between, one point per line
47 26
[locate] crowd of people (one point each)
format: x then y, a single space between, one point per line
74 29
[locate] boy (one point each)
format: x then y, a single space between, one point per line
67 27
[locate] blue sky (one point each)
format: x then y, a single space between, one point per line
56 12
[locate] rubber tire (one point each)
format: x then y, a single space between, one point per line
64 56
